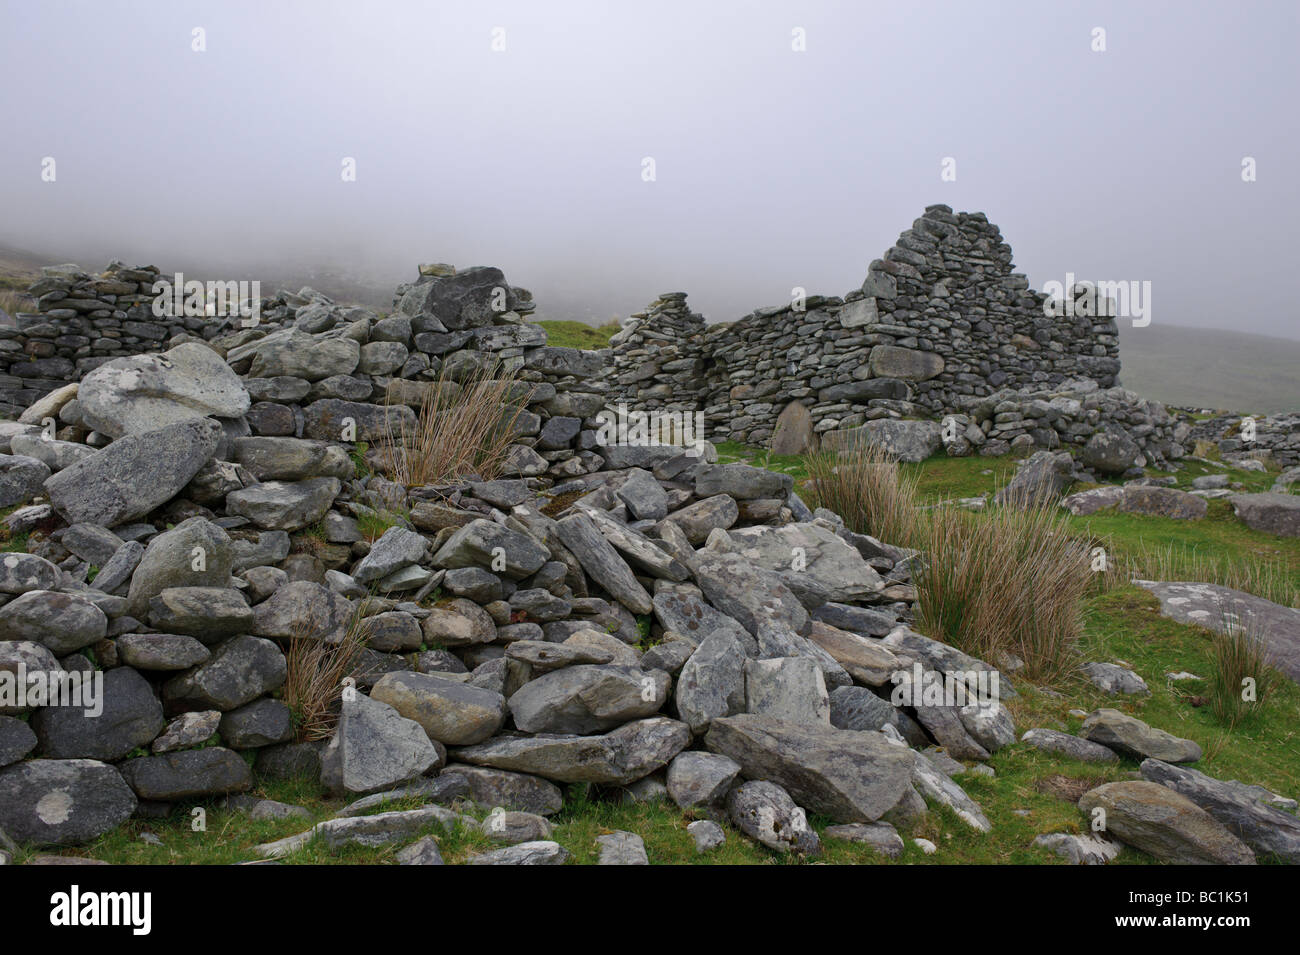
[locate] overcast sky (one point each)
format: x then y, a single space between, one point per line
774 168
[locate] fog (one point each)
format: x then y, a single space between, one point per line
774 168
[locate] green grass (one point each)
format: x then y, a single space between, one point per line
570 334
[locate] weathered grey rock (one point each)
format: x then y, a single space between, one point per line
867 662
751 595
260 723
1271 513
94 544
392 632
602 562
479 542
526 853
194 553
1110 451
283 505
370 832
209 613
646 500
544 657
55 455
21 478
694 619
374 748
857 708
621 848
1115 680
129 715
620 756
518 792
452 713
16 740
1162 502
1054 741
712 682
23 659
423 851
790 689
1094 499
638 549
64 802
458 623
880 836
188 729
933 783
741 482
903 439
295 354
1162 823
147 392
291 459
1267 830
188 774
890 361
699 519
765 812
441 789
816 551
1040 479
302 609
240 670
588 699
988 723
397 548
1079 850
134 474
1212 606
1130 736
697 779
62 622
513 828
707 835
849 776
20 573
793 432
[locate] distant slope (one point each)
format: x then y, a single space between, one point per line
1211 368
569 334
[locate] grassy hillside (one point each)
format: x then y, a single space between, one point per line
569 334
1211 368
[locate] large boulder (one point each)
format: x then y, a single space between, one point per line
147 392
712 681
134 474
588 699
285 505
890 361
794 432
1216 607
1271 513
1130 736
1041 478
481 542
63 622
1165 824
902 438
374 748
1162 502
127 716
847 775
302 609
296 354
619 757
1241 808
21 478
63 802
811 549
602 562
194 553
188 774
238 672
1110 451
456 714
753 596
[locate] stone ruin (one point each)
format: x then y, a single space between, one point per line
942 327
